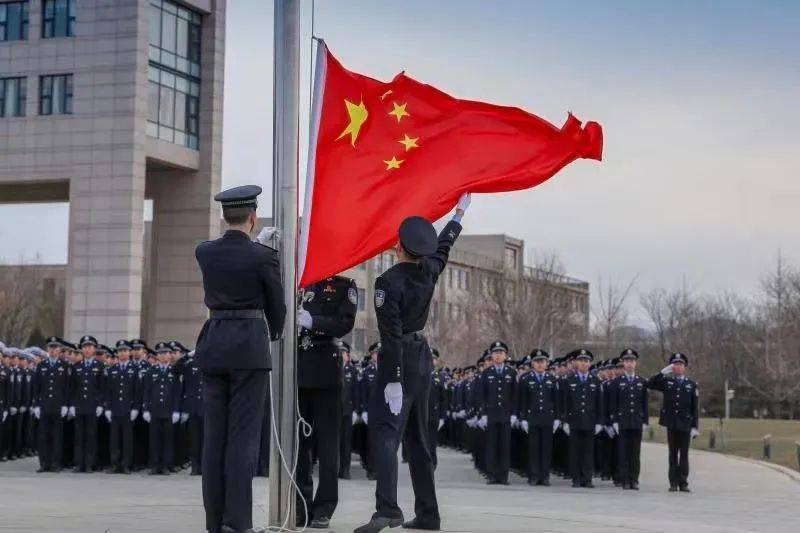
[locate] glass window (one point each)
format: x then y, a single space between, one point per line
58 18
13 21
55 94
175 37
12 97
173 107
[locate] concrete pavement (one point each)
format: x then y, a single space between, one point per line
730 495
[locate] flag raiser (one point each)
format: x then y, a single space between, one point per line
379 152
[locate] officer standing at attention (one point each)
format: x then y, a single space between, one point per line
437 403
628 414
192 409
87 404
680 415
122 397
243 290
161 398
349 415
402 303
538 404
496 394
584 413
328 313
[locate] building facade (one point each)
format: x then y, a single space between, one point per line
104 103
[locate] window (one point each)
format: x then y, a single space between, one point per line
12 97
511 258
175 37
58 18
55 95
173 107
14 21
362 298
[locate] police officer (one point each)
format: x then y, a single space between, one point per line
5 392
192 408
584 411
680 415
538 403
241 279
367 381
161 396
122 397
349 415
497 399
402 302
86 404
437 403
628 416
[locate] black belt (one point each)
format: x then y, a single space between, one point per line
236 314
413 336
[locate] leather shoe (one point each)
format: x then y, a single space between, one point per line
673 488
546 482
416 523
377 523
685 488
320 522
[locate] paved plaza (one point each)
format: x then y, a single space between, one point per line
729 495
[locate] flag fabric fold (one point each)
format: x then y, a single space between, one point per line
379 152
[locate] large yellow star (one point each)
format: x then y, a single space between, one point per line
358 115
399 111
393 163
408 142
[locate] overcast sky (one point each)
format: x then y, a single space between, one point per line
698 101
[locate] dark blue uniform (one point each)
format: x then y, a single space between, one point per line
497 397
437 403
192 405
538 403
584 410
349 407
244 293
86 392
161 397
628 410
122 396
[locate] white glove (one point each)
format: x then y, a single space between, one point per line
556 425
134 414
667 370
524 425
71 412
63 411
615 425
645 427
108 416
354 418
695 433
609 432
266 234
472 422
37 412
462 414
98 411
483 422
365 418
447 414
597 428
393 395
184 417
441 423
565 427
513 420
146 416
304 319
5 415
463 202
23 409
12 410
175 417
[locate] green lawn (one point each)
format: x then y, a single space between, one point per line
744 437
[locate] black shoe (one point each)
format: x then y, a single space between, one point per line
41 470
344 474
503 482
532 482
371 476
195 473
320 522
416 523
155 472
545 482
78 470
377 523
673 488
576 485
625 486
634 485
492 481
685 488
589 485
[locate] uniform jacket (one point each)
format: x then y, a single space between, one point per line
497 394
121 389
538 400
680 410
437 401
628 402
366 386
583 402
239 274
349 393
192 399
161 392
86 389
51 386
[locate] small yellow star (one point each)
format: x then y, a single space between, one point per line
358 115
399 111
408 142
393 163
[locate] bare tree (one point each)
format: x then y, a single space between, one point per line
610 312
20 303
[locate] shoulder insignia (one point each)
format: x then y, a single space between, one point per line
352 295
380 297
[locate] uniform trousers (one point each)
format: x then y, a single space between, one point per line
194 429
85 441
433 437
540 449
498 450
678 457
50 437
162 443
233 403
121 442
629 445
581 455
386 430
345 443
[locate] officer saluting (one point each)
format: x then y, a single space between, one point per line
402 302
680 415
242 284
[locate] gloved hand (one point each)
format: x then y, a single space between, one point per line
393 395
37 412
447 414
609 432
5 415
597 428
354 418
365 418
513 421
98 411
176 416
524 425
565 427
265 236
556 425
23 409
462 414
71 412
615 425
441 423
108 415
12 410
483 422
695 433
464 202
146 416
63 411
304 319
472 422
667 370
645 427
184 417
134 414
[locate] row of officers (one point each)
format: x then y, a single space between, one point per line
90 407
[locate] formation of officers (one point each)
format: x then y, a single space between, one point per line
90 407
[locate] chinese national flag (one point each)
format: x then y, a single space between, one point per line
380 152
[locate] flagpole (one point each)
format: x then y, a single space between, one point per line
285 152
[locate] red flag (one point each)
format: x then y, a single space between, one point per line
380 152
